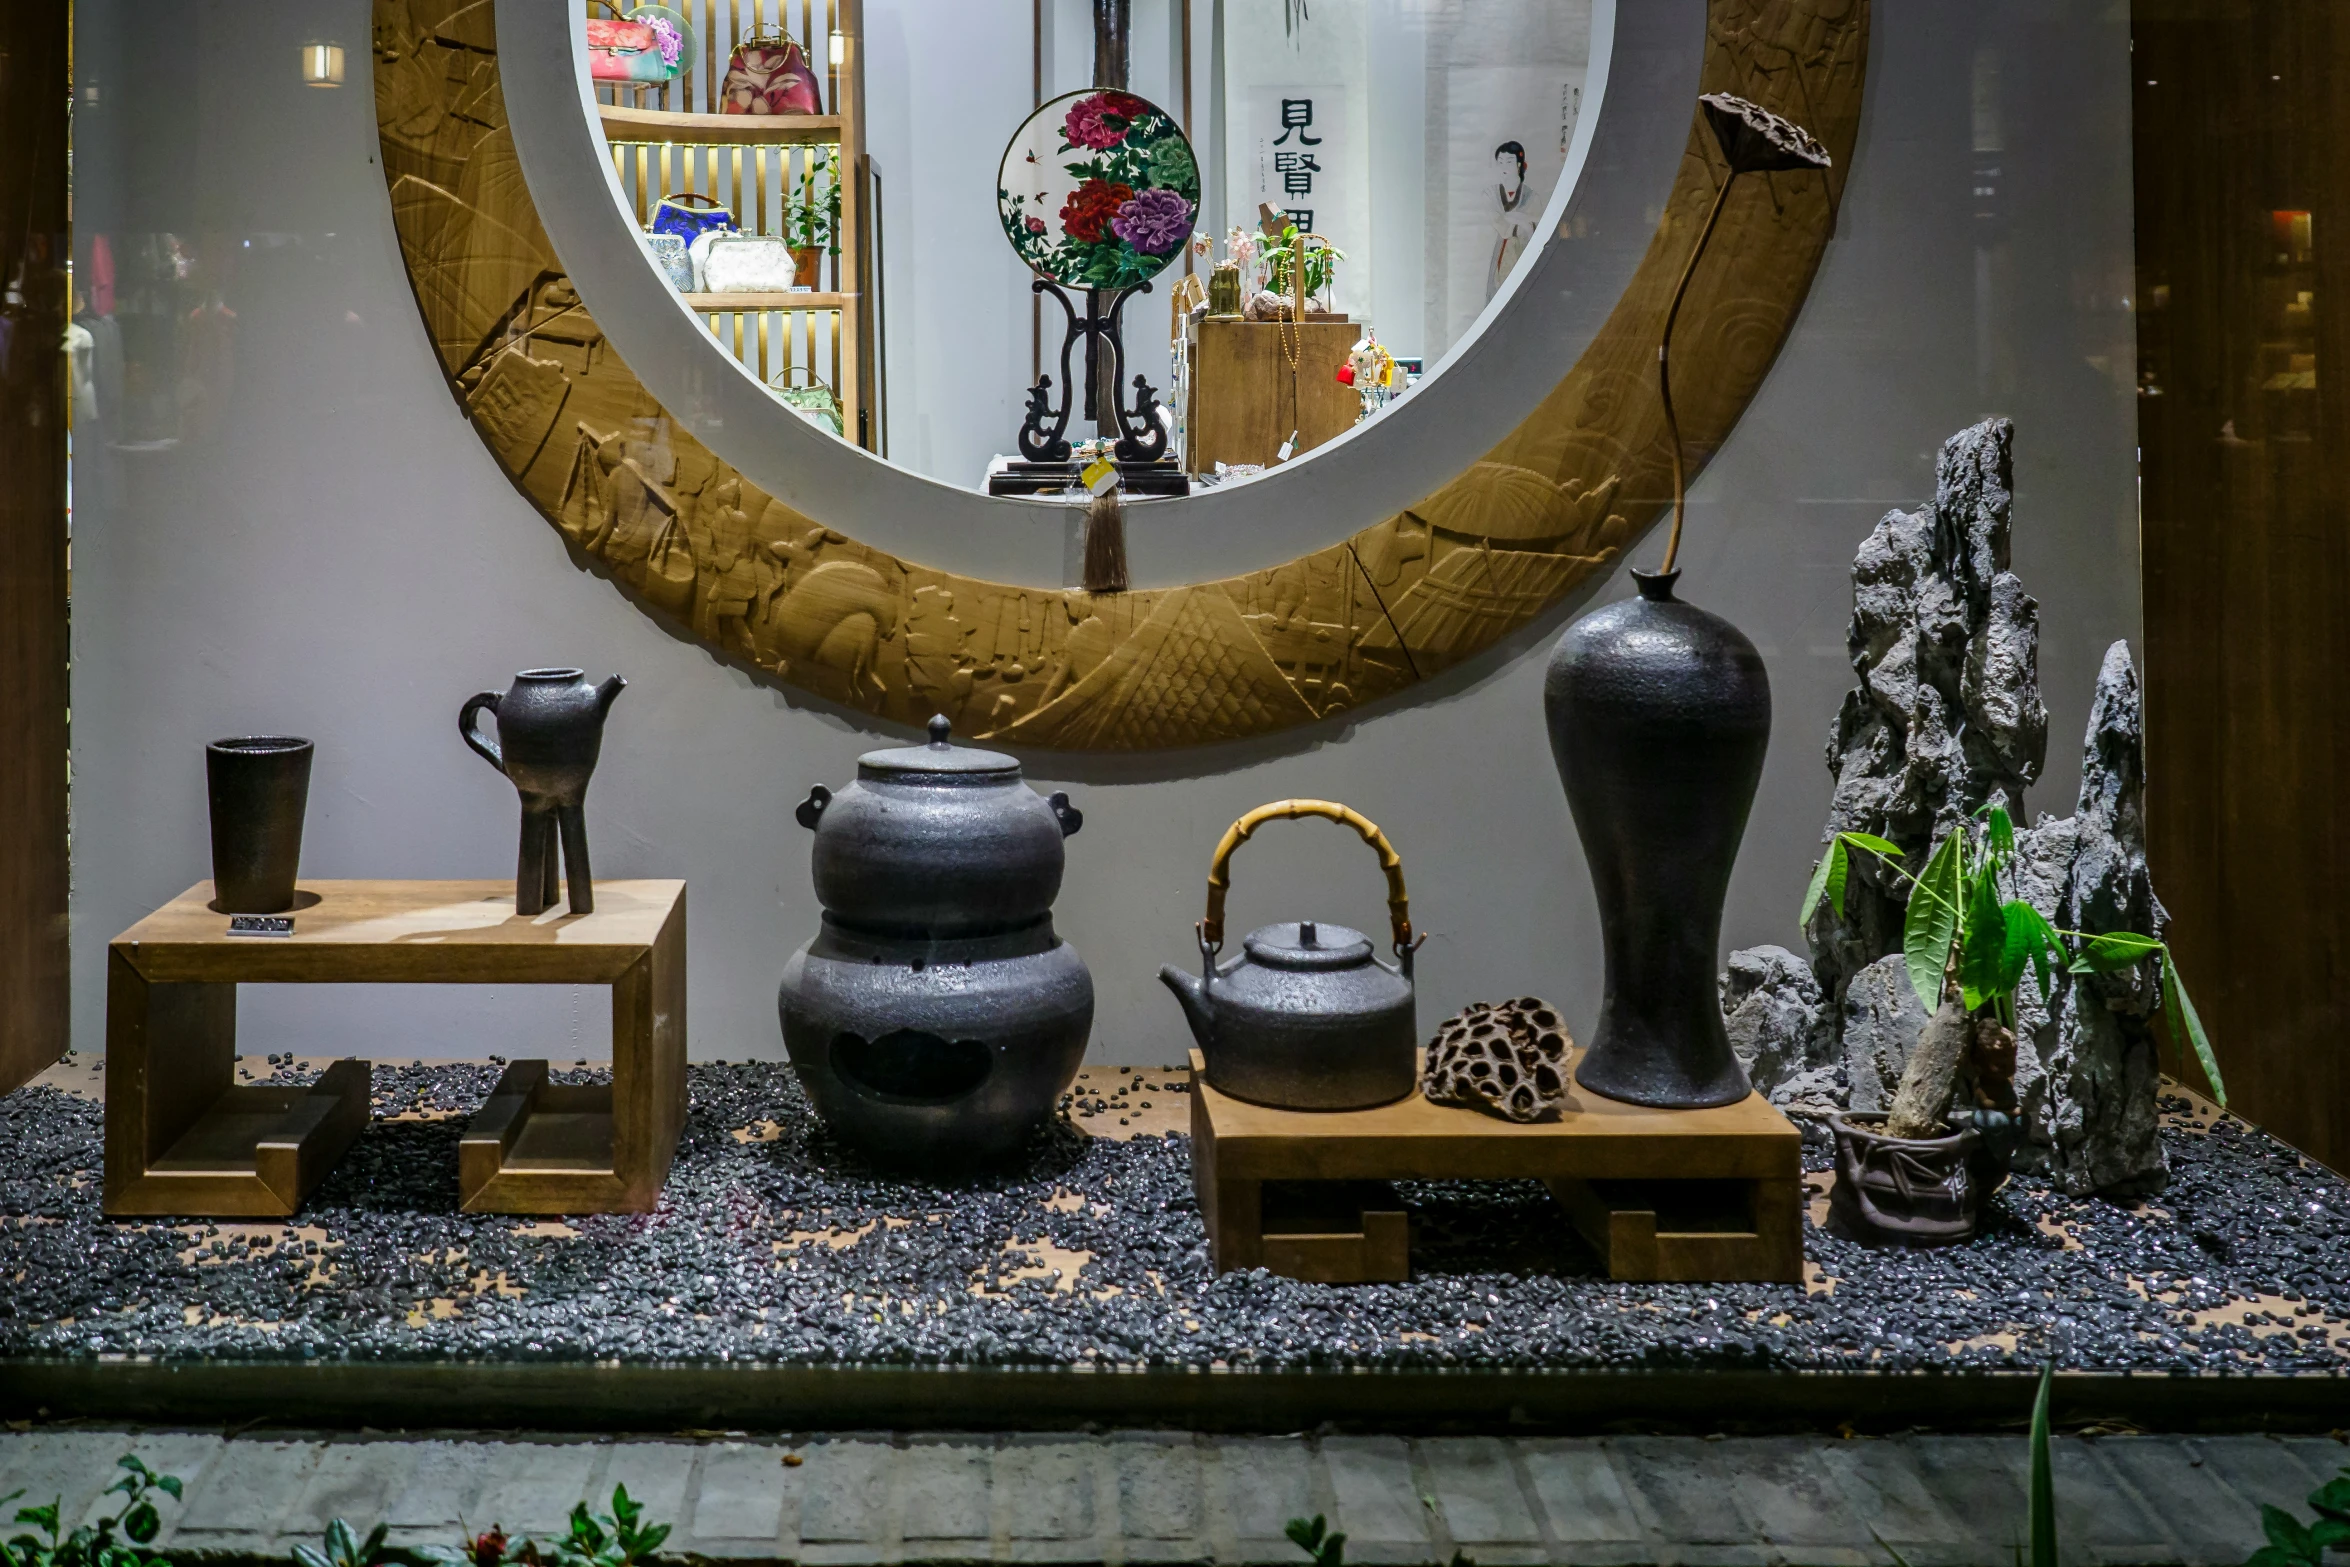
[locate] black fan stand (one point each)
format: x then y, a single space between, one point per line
1045 465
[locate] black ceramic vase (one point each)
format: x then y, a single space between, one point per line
550 732
1659 716
259 786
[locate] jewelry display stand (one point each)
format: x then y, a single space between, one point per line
1680 1196
184 1138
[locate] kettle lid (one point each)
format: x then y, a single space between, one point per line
1307 944
937 759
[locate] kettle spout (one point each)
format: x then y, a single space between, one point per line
605 693
1193 993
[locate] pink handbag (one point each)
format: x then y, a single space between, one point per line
646 47
769 74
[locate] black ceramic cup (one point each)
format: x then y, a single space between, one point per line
260 786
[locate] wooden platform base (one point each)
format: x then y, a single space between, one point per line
254 1152
541 1147
183 1138
1664 1195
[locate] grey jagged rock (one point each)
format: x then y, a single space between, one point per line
1947 717
1947 712
1881 1018
2087 1060
1772 1007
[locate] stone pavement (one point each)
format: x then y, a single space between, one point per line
1146 1496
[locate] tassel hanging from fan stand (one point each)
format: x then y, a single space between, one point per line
1105 544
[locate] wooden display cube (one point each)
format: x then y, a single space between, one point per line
183 1138
1245 402
1664 1195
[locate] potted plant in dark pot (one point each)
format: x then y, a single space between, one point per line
1916 1174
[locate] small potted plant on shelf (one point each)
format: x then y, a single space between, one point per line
1321 264
811 220
1916 1174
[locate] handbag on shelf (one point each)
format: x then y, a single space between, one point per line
642 47
676 214
768 73
745 264
671 259
815 402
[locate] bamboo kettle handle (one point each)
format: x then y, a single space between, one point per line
1399 904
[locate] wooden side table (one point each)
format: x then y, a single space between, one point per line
183 1138
1680 1195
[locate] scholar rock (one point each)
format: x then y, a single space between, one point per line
2087 1062
1508 1058
1945 718
1771 1006
1882 1019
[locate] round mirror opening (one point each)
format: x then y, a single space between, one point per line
827 185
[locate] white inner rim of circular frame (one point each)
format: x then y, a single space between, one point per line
1628 142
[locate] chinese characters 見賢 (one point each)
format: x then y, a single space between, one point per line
1297 166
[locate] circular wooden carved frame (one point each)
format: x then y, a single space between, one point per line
801 600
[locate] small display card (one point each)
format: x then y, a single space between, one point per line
261 925
1100 476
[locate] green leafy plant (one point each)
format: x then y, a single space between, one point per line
2292 1543
1959 931
1327 1546
619 1538
96 1544
344 1548
1321 264
2040 1511
812 216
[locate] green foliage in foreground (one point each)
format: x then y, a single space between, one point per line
2292 1543
95 1544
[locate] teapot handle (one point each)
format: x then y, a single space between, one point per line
487 748
1399 906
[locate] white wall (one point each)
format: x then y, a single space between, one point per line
331 551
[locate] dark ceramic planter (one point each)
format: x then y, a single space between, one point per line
550 732
259 787
1903 1191
1659 716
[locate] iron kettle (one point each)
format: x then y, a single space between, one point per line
1305 1017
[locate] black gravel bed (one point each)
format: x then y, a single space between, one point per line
774 1244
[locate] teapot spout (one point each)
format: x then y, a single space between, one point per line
605 693
1193 993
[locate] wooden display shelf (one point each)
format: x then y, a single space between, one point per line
183 1138
746 303
622 122
1245 400
1664 1195
754 164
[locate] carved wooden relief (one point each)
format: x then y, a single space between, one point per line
1556 500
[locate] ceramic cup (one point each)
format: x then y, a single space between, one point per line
260 787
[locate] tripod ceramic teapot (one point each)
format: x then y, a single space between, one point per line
550 730
1306 1017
